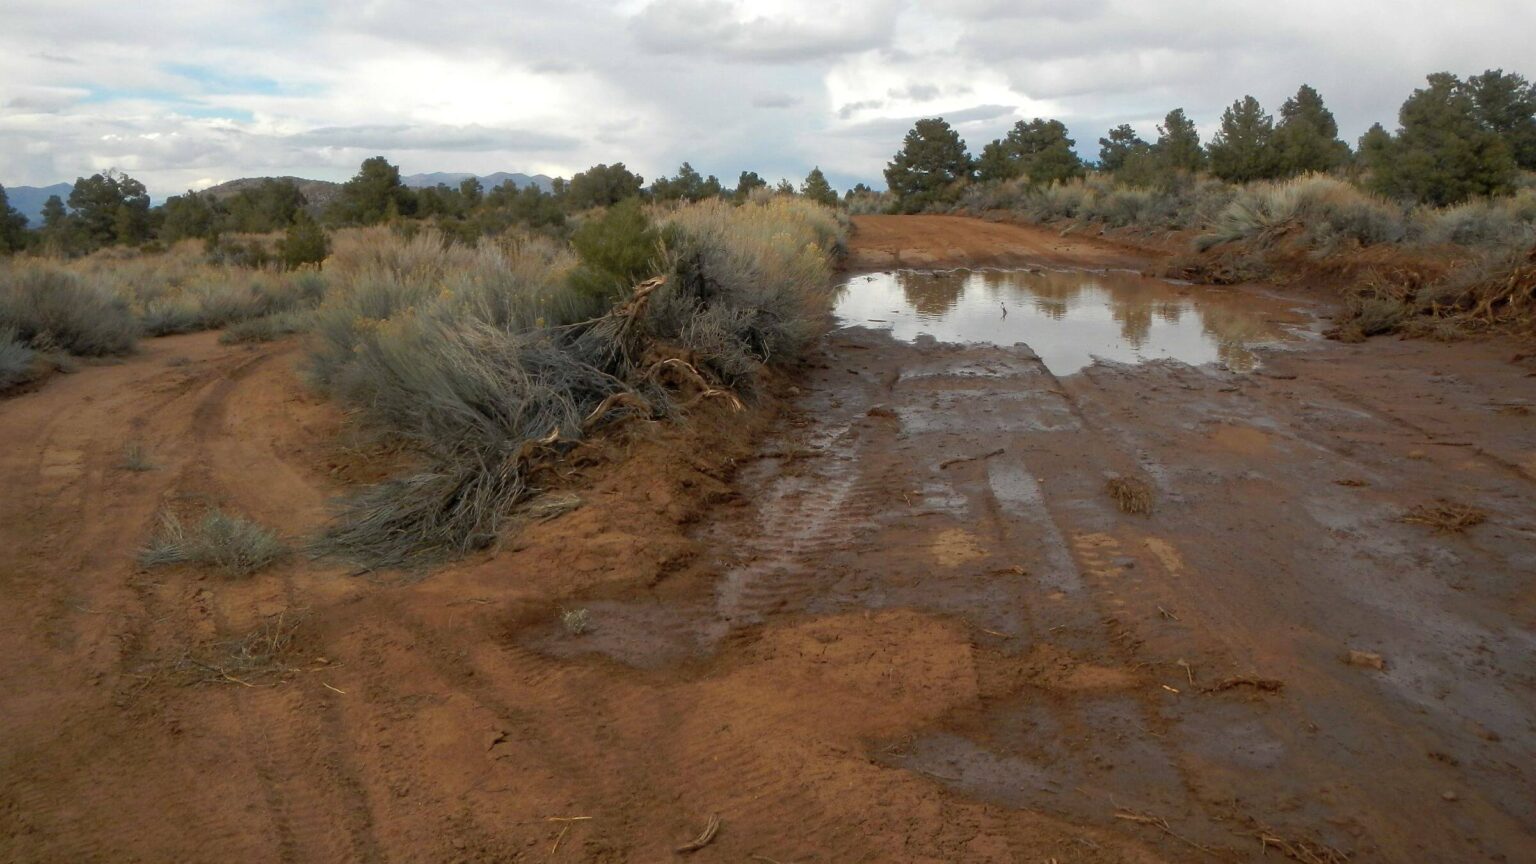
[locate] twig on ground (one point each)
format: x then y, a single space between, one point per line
949 462
705 837
1161 824
1305 851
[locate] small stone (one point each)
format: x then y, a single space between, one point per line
1366 660
1448 795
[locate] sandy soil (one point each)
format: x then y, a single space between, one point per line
816 625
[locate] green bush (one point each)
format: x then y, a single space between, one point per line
52 309
617 250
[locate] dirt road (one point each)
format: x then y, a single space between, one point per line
851 634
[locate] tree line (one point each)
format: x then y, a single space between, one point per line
1455 139
112 208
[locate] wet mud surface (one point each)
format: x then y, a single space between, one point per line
901 621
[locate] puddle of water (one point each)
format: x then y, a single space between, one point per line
1068 317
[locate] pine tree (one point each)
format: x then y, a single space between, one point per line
1118 147
375 194
818 189
1307 137
1038 149
13 226
1243 151
1178 143
929 165
747 182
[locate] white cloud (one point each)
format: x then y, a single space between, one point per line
186 95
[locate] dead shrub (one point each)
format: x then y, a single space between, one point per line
1446 517
1130 495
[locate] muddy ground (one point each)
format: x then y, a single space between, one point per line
809 620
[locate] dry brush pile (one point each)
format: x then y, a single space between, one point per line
487 363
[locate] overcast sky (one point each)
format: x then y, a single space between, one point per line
184 95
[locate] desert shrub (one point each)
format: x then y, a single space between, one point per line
15 359
52 309
233 544
266 328
520 283
483 362
748 284
169 316
1328 212
474 401
228 298
1483 222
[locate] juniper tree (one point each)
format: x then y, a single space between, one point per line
602 186
304 243
1442 153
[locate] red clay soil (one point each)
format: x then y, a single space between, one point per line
807 620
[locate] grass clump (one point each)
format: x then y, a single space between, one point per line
135 458
1130 495
232 544
576 621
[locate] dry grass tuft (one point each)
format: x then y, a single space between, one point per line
576 621
135 458
1446 517
259 655
233 544
1130 495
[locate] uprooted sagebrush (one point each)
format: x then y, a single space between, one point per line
486 362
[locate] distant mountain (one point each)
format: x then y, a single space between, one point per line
30 199
319 193
489 181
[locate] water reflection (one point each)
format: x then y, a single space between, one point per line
1067 317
